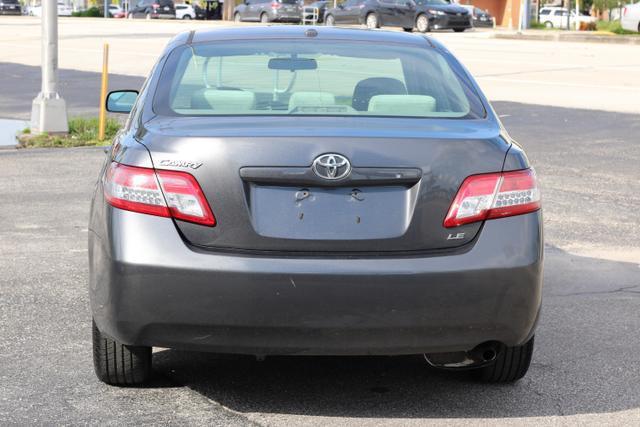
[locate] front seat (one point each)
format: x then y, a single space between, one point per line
368 88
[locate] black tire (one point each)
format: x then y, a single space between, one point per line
187 17
512 363
264 18
329 21
459 30
119 364
408 30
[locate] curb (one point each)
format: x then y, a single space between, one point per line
571 37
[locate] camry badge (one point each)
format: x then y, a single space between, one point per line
331 166
180 164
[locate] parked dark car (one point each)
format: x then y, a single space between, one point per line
481 17
322 9
290 190
200 12
10 7
268 11
424 15
153 9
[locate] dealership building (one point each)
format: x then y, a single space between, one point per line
507 12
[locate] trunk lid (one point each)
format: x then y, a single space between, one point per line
257 176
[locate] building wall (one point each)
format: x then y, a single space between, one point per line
502 10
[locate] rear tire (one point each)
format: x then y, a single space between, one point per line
511 364
119 364
264 18
371 21
187 17
329 21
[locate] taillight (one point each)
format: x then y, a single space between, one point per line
624 12
275 5
162 193
155 5
494 195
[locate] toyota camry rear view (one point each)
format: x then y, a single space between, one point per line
313 191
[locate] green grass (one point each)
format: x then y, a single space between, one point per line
614 27
82 132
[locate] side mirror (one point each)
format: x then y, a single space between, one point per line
121 101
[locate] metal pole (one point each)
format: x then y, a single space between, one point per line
102 122
49 111
106 8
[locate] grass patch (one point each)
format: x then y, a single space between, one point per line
614 27
82 132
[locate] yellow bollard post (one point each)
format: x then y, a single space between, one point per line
103 93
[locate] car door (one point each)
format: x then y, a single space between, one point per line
559 18
340 13
405 13
387 12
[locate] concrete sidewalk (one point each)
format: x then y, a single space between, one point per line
567 36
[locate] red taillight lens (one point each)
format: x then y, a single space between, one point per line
161 193
494 195
275 5
624 12
155 5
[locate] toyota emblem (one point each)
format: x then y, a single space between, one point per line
331 166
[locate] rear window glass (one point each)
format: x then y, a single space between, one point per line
311 77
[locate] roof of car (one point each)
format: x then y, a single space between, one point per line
304 32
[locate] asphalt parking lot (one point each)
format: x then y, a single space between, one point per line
585 368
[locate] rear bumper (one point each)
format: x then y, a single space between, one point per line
286 16
149 288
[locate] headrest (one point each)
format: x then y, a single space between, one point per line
224 100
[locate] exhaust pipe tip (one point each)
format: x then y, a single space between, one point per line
489 355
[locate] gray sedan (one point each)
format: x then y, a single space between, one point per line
266 11
313 191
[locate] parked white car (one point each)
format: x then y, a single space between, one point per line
185 11
556 17
63 10
631 17
114 9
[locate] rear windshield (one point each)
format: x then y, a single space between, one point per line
311 77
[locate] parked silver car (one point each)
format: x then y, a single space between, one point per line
268 11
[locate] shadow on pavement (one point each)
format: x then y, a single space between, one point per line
80 89
586 342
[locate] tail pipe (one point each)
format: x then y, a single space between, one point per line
483 354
